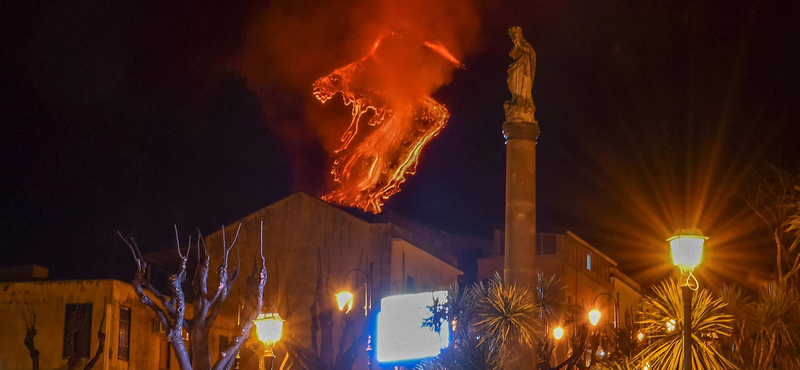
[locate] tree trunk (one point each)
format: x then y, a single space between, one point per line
101 341
326 336
34 353
201 355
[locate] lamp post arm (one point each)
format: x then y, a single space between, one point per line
602 294
616 304
367 287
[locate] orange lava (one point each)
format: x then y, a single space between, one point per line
393 117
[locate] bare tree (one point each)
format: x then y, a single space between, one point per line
774 196
30 333
171 308
101 340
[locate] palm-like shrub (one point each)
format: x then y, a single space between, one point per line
504 314
664 325
490 318
766 331
776 332
738 305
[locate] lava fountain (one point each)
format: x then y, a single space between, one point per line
393 116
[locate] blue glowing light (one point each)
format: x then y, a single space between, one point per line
401 335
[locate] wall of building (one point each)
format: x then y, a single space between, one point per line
629 294
48 299
297 230
300 228
426 271
586 285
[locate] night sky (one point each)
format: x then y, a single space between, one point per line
134 116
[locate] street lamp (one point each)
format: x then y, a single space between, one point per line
344 299
686 246
594 317
558 333
269 327
594 304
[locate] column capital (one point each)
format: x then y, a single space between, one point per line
521 130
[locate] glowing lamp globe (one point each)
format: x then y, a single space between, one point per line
269 327
640 336
558 333
344 299
594 316
686 246
671 325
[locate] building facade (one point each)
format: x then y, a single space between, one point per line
590 279
74 311
306 240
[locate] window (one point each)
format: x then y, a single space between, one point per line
409 284
124 348
77 329
589 261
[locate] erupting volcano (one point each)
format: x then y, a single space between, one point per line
393 116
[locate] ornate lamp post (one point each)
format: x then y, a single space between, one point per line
595 314
269 327
686 246
344 300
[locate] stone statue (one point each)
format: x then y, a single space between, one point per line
520 79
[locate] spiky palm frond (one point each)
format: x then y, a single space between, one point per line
619 364
457 307
776 319
793 221
709 322
738 305
505 313
466 354
549 295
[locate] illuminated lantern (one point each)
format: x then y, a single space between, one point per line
401 335
558 333
344 299
671 325
269 327
640 336
687 248
594 317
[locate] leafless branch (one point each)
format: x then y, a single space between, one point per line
172 308
101 339
30 334
254 300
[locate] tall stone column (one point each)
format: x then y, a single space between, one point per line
521 131
520 225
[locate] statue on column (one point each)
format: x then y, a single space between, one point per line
520 79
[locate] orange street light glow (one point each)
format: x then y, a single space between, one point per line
345 300
269 327
594 317
558 333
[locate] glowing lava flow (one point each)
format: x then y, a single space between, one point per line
376 155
